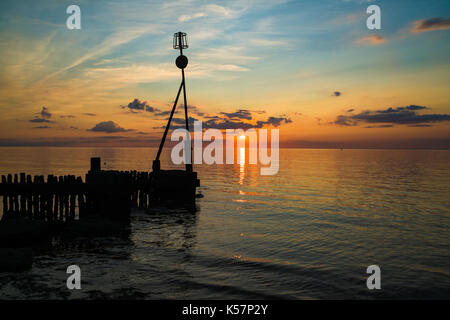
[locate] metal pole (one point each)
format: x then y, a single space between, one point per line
180 40
168 123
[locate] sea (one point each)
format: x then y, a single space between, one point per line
308 232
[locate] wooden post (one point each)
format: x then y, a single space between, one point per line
5 198
72 197
22 195
49 197
9 195
96 164
81 203
29 198
35 198
41 198
16 196
66 198
61 198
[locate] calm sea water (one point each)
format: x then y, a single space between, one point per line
307 233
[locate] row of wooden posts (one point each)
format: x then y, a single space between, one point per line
106 192
65 197
35 198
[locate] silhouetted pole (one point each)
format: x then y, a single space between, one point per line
179 42
156 163
180 39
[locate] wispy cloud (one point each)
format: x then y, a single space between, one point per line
374 39
186 17
432 24
115 40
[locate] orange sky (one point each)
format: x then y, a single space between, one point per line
323 79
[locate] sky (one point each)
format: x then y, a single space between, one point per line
311 69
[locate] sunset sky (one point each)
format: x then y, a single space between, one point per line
310 68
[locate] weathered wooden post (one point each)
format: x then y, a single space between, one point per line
16 200
41 198
66 198
5 198
49 197
22 195
96 164
72 197
81 203
29 197
60 199
9 195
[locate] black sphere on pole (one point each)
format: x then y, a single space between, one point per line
181 61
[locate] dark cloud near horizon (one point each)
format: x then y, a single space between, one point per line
89 114
108 127
407 115
137 105
239 114
39 120
273 121
380 126
164 113
45 113
337 94
425 25
226 123
42 127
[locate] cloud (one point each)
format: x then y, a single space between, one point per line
116 39
67 116
39 120
137 105
108 127
273 121
380 126
214 8
374 39
432 24
42 127
89 114
224 123
337 94
165 113
230 120
267 42
342 120
401 115
240 114
45 113
185 17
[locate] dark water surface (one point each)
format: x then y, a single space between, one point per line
307 233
